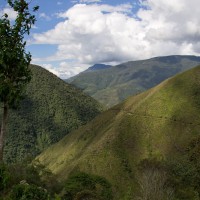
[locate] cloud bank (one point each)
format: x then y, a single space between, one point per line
100 33
10 12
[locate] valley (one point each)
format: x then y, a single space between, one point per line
134 148
50 110
150 130
99 100
111 85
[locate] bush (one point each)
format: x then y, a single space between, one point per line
28 192
31 183
24 172
153 181
82 185
4 177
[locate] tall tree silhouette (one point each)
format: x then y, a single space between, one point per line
14 60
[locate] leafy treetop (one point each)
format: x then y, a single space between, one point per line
14 61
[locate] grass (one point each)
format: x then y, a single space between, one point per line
159 124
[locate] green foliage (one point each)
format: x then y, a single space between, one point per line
23 181
24 172
185 172
112 85
14 61
14 174
4 177
50 110
82 185
28 192
158 129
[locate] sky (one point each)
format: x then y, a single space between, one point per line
72 35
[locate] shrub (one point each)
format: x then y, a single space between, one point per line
82 185
153 181
4 177
28 192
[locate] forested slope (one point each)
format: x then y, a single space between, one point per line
50 110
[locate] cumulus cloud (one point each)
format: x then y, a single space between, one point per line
89 1
86 1
65 69
10 12
94 33
59 3
88 33
44 16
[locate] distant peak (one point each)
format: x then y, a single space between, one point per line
98 67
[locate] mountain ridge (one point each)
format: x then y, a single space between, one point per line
51 108
156 131
111 86
98 67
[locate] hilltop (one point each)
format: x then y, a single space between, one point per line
115 83
147 145
98 67
50 110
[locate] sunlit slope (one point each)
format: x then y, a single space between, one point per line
160 123
51 109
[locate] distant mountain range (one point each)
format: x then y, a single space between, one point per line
98 67
112 84
147 146
50 110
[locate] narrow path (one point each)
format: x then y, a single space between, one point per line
157 117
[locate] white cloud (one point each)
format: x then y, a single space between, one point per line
86 1
50 68
87 25
34 26
94 33
10 12
59 3
65 69
89 1
44 16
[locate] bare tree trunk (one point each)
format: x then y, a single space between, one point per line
153 186
3 129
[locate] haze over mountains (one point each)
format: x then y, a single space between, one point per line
112 84
50 110
147 145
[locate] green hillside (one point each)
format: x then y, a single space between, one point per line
147 145
51 109
114 84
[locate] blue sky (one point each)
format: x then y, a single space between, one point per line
71 35
47 19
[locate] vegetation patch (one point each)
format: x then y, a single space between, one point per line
49 111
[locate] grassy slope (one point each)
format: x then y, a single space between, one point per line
50 110
112 85
160 123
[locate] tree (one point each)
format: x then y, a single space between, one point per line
153 180
14 61
82 186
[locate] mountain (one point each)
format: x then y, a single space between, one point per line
112 85
147 145
95 67
50 110
98 67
